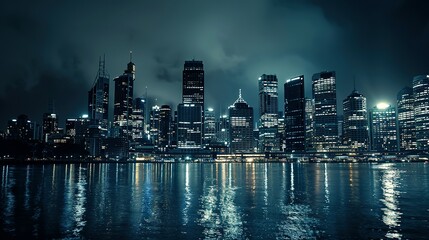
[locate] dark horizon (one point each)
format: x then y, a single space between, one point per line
52 52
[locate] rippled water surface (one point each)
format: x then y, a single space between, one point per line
223 201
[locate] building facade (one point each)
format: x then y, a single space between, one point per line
355 122
241 126
406 123
325 111
189 126
421 111
98 96
164 134
268 114
383 134
123 102
294 119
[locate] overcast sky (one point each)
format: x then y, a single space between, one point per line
51 49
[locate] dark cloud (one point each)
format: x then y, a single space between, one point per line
51 50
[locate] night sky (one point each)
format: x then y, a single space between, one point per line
51 49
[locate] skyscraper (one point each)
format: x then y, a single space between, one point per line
190 123
209 126
164 135
268 114
294 101
20 128
50 125
382 120
189 126
406 124
123 106
325 111
98 96
421 111
193 83
137 119
154 125
309 124
355 121
241 126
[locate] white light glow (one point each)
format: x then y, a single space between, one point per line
382 105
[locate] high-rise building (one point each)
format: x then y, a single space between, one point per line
154 125
325 111
268 114
309 124
406 124
241 126
50 125
193 83
137 119
123 105
421 111
355 122
209 126
189 126
164 134
383 134
20 128
222 130
98 96
294 101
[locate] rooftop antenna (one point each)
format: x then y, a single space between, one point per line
131 56
239 93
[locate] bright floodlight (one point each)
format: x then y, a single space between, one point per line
85 116
382 105
210 109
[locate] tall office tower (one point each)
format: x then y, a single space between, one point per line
50 125
209 126
20 128
154 125
98 96
222 130
421 111
268 114
164 134
382 134
406 124
309 124
281 132
325 111
193 83
123 106
173 130
294 114
355 122
189 126
241 126
137 119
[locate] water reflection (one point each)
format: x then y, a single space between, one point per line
219 214
391 211
225 201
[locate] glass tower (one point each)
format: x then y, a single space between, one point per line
421 111
294 122
268 114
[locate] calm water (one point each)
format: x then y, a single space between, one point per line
227 201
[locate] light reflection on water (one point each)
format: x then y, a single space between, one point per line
222 201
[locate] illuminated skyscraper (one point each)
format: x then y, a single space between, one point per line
164 134
383 134
268 114
421 111
355 122
50 125
406 123
209 126
325 111
309 124
294 114
154 125
123 105
190 123
20 128
98 96
137 119
189 126
241 126
193 83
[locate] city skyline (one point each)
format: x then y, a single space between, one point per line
52 52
